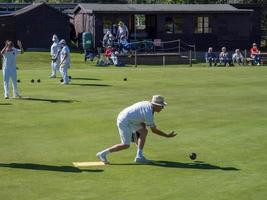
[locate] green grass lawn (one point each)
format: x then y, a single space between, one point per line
219 113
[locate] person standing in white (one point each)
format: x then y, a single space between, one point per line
64 61
9 54
122 32
135 119
54 52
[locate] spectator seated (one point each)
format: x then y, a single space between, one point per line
125 46
89 54
101 60
210 57
254 55
224 58
111 58
238 58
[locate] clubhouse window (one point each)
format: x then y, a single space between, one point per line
107 25
203 25
173 24
140 22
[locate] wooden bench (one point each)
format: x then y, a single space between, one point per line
248 61
263 56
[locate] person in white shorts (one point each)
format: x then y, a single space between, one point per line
135 119
9 53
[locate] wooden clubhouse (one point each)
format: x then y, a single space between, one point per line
203 25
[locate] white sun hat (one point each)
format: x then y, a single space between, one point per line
62 41
158 100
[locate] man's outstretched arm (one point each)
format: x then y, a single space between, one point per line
163 134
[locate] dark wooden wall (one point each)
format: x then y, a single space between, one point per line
44 22
7 30
35 27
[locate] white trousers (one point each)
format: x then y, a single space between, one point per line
54 68
64 73
114 59
10 72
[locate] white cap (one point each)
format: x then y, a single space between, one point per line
55 38
158 100
62 41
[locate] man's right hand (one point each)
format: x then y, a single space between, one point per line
171 134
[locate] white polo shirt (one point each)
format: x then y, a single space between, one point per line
9 58
122 31
138 113
55 48
65 51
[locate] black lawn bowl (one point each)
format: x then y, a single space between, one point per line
193 156
18 81
125 79
39 80
32 81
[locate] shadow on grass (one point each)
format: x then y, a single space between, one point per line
180 165
48 100
86 79
31 166
5 104
89 84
